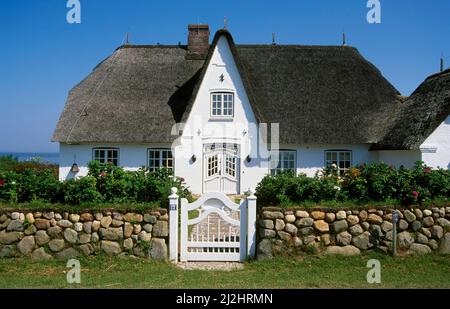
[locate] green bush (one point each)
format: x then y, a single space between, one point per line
105 183
363 183
81 190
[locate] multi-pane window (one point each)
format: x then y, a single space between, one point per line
222 104
160 158
285 160
230 165
213 165
106 155
341 158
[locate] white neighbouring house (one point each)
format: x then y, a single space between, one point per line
203 109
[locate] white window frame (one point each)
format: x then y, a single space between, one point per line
339 153
161 159
221 110
281 163
106 156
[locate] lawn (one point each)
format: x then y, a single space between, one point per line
431 271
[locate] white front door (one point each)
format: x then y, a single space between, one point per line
221 168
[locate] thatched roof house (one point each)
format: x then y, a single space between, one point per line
328 96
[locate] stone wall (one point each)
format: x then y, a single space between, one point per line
64 235
347 232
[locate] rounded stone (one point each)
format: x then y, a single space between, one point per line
267 224
416 225
356 230
343 238
363 215
64 223
106 221
318 215
330 217
42 238
374 219
409 216
289 218
149 219
418 213
405 240
78 226
340 226
437 232
128 244
71 236
345 251
304 222
321 226
26 245
110 247
30 218
341 215
301 214
40 255
386 226
291 229
352 220
279 224
147 227
402 225
74 218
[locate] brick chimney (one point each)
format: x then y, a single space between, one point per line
198 39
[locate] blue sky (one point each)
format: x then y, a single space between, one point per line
42 56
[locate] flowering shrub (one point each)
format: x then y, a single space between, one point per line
104 183
288 188
365 182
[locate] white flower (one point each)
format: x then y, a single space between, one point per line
13 182
337 188
334 165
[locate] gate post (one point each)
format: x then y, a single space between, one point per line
251 223
173 225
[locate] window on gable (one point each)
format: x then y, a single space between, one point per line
160 158
222 104
286 161
106 155
341 158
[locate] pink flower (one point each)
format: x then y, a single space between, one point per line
427 170
415 194
102 174
2 182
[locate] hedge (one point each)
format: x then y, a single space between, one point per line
105 183
362 183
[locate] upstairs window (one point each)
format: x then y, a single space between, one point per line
160 158
222 104
286 161
341 158
106 155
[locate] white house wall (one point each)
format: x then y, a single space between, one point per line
436 148
201 128
311 158
397 158
131 157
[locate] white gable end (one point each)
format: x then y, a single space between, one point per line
436 148
203 128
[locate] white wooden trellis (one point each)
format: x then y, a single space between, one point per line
233 245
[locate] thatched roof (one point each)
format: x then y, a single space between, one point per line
133 96
422 113
318 94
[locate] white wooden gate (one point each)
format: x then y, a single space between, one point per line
217 232
213 228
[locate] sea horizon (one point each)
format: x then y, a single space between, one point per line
45 157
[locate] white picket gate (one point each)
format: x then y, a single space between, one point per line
218 230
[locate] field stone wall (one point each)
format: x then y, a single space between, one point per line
348 232
66 235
